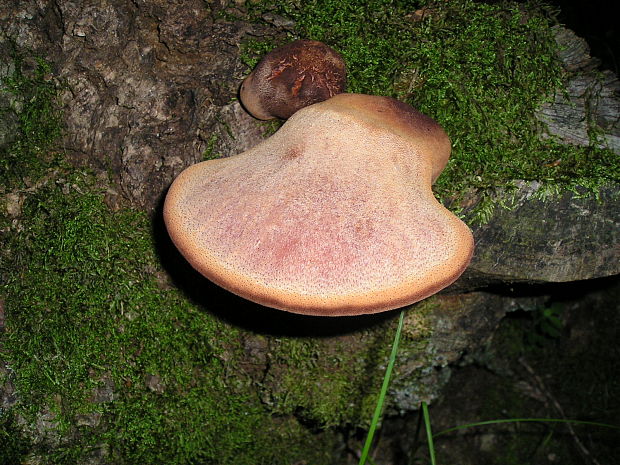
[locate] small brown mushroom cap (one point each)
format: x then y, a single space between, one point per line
291 77
332 215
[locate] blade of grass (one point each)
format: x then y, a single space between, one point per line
416 438
429 432
523 420
386 382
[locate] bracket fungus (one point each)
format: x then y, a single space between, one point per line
292 77
332 215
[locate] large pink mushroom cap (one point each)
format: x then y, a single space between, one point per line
332 215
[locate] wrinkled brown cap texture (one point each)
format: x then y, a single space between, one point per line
291 77
332 215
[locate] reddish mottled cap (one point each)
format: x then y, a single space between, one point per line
291 77
332 215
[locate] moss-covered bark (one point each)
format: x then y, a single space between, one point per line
109 355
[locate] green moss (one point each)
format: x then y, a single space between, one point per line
315 379
480 69
82 300
417 328
14 445
31 97
209 153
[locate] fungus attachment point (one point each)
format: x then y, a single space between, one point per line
332 215
291 77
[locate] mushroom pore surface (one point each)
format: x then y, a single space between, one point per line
291 77
332 215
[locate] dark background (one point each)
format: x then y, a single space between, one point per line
597 22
